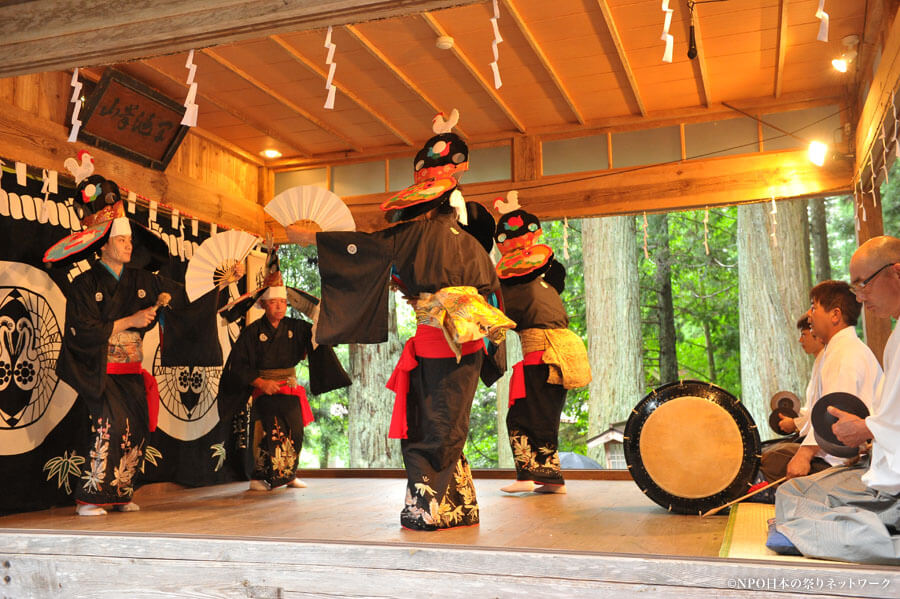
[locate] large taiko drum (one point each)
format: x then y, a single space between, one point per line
691 446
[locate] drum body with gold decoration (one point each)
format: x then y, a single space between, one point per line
691 446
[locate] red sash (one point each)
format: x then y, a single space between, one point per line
428 342
150 387
517 382
300 393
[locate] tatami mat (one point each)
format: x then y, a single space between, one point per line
745 534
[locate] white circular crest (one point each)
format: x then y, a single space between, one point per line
39 335
142 294
98 296
351 249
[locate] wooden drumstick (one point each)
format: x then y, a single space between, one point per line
739 499
162 300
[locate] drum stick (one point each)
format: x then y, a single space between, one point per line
739 499
162 301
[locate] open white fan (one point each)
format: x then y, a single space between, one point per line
311 208
214 262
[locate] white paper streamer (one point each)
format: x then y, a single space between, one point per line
495 68
213 229
153 206
190 106
51 180
566 237
131 201
706 231
823 22
329 60
884 151
666 36
894 140
76 107
175 218
195 227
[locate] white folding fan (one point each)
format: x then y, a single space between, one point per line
311 208
215 261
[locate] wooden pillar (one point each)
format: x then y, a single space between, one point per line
526 158
266 185
877 330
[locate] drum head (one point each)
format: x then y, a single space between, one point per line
691 446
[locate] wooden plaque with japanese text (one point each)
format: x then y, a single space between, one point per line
126 117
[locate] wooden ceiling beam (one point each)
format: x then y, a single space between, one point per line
372 49
542 57
281 98
668 118
296 55
202 98
48 35
620 52
674 186
880 96
700 60
470 66
782 47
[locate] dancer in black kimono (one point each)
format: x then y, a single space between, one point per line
554 358
261 365
108 310
446 275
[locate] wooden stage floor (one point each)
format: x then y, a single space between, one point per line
341 538
605 516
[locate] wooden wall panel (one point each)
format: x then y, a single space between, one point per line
204 179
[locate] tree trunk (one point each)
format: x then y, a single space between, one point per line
371 404
612 305
658 229
774 292
818 232
513 355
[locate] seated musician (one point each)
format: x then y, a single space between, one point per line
851 513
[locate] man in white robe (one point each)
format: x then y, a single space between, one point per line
847 365
853 513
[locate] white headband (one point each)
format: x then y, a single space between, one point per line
279 292
120 226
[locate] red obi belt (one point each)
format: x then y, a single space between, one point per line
428 342
300 393
150 387
517 382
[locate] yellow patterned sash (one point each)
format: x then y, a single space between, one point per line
564 352
463 315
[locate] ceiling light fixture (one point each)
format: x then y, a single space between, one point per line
842 63
817 152
271 154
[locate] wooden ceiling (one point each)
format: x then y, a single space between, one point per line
567 66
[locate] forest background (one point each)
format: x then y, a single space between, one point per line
652 305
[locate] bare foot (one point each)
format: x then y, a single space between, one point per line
127 507
560 489
520 486
297 484
89 509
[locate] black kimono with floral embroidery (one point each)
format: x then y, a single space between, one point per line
428 255
117 403
533 420
275 436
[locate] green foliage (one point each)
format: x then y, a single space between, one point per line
705 297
